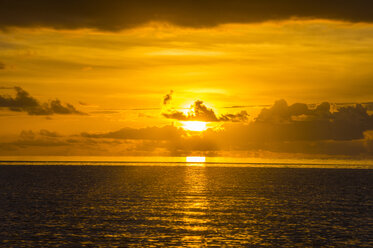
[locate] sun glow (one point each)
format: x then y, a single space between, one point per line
197 126
196 159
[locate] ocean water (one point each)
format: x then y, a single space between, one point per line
98 204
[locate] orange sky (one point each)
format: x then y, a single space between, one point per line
117 79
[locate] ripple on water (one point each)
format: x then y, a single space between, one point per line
184 206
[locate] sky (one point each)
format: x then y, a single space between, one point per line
262 78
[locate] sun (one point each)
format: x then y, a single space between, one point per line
196 159
197 126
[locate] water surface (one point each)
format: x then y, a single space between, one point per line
178 205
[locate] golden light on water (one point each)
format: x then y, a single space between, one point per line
196 159
197 126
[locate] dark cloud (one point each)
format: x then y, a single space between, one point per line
280 112
202 113
239 117
23 102
44 138
148 133
47 133
118 14
279 129
107 112
167 98
368 105
298 122
294 129
245 106
2 66
324 147
30 143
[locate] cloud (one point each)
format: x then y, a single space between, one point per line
29 138
368 105
298 122
2 66
201 113
280 129
45 142
47 133
23 102
167 98
289 129
280 112
148 133
116 14
108 112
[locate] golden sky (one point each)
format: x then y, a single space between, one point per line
116 67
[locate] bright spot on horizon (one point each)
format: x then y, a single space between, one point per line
197 126
196 159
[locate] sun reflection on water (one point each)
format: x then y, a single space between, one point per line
195 206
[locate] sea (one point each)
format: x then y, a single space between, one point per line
157 202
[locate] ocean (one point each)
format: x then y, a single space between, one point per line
176 204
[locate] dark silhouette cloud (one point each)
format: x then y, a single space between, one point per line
24 102
368 105
118 14
47 133
280 112
290 129
29 138
281 128
298 122
109 112
202 113
246 106
2 66
167 98
148 133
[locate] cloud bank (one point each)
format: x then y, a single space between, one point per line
24 102
148 133
116 14
281 129
298 122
